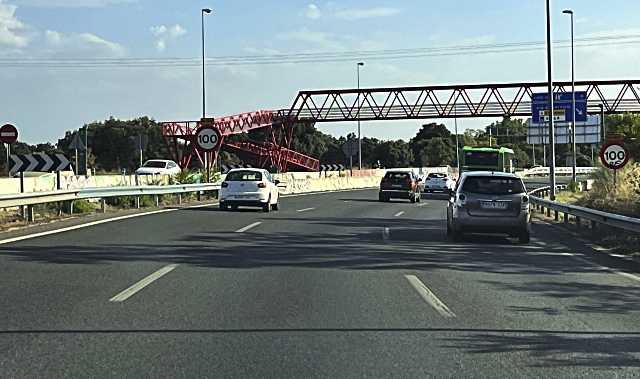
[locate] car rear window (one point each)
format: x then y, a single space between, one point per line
155 164
244 176
397 175
436 175
492 185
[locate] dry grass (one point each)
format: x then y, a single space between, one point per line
624 198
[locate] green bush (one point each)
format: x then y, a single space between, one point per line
83 206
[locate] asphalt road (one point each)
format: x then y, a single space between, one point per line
334 285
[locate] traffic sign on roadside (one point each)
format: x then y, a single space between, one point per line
41 162
207 138
614 155
562 106
8 133
350 148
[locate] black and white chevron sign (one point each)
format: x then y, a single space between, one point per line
331 167
38 162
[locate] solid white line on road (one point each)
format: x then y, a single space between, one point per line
423 204
305 210
430 297
250 226
398 214
124 295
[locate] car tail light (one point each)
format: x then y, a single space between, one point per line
262 185
525 202
462 197
224 185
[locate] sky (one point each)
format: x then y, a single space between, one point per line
46 100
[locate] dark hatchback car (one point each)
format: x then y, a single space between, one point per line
400 185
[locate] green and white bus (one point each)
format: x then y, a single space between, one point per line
487 159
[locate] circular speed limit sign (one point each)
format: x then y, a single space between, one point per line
207 138
614 156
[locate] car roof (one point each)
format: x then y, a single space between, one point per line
398 171
260 170
499 174
159 160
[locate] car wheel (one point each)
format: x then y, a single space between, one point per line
524 237
266 208
275 207
223 207
381 197
419 198
413 198
234 207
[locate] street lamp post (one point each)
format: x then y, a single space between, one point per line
552 146
204 91
573 98
359 135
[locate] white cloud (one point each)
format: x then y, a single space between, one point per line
312 12
319 39
71 3
81 44
363 13
164 34
10 27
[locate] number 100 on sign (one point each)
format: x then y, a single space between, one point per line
207 139
614 156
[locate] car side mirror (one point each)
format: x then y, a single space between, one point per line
276 182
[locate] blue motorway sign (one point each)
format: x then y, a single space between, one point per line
562 106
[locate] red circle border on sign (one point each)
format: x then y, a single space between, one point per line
12 140
604 162
195 137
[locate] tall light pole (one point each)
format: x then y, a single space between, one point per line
455 123
573 98
204 90
359 136
552 142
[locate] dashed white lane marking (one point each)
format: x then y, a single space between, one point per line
250 226
94 223
430 297
398 214
386 234
305 210
124 295
423 204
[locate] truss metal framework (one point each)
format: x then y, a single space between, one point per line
275 150
476 100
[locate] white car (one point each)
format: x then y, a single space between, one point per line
249 187
159 167
439 182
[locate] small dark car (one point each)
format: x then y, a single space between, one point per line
399 184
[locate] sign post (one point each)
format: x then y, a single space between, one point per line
207 140
350 148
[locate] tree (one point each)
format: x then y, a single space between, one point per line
438 152
394 154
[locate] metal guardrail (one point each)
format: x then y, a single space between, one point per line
559 171
33 198
594 216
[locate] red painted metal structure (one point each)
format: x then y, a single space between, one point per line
449 101
394 103
275 150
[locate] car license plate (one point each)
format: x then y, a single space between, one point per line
493 205
396 185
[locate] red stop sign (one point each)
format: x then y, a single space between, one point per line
8 134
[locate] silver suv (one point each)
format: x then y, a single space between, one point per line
489 202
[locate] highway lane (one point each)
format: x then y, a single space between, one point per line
319 289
